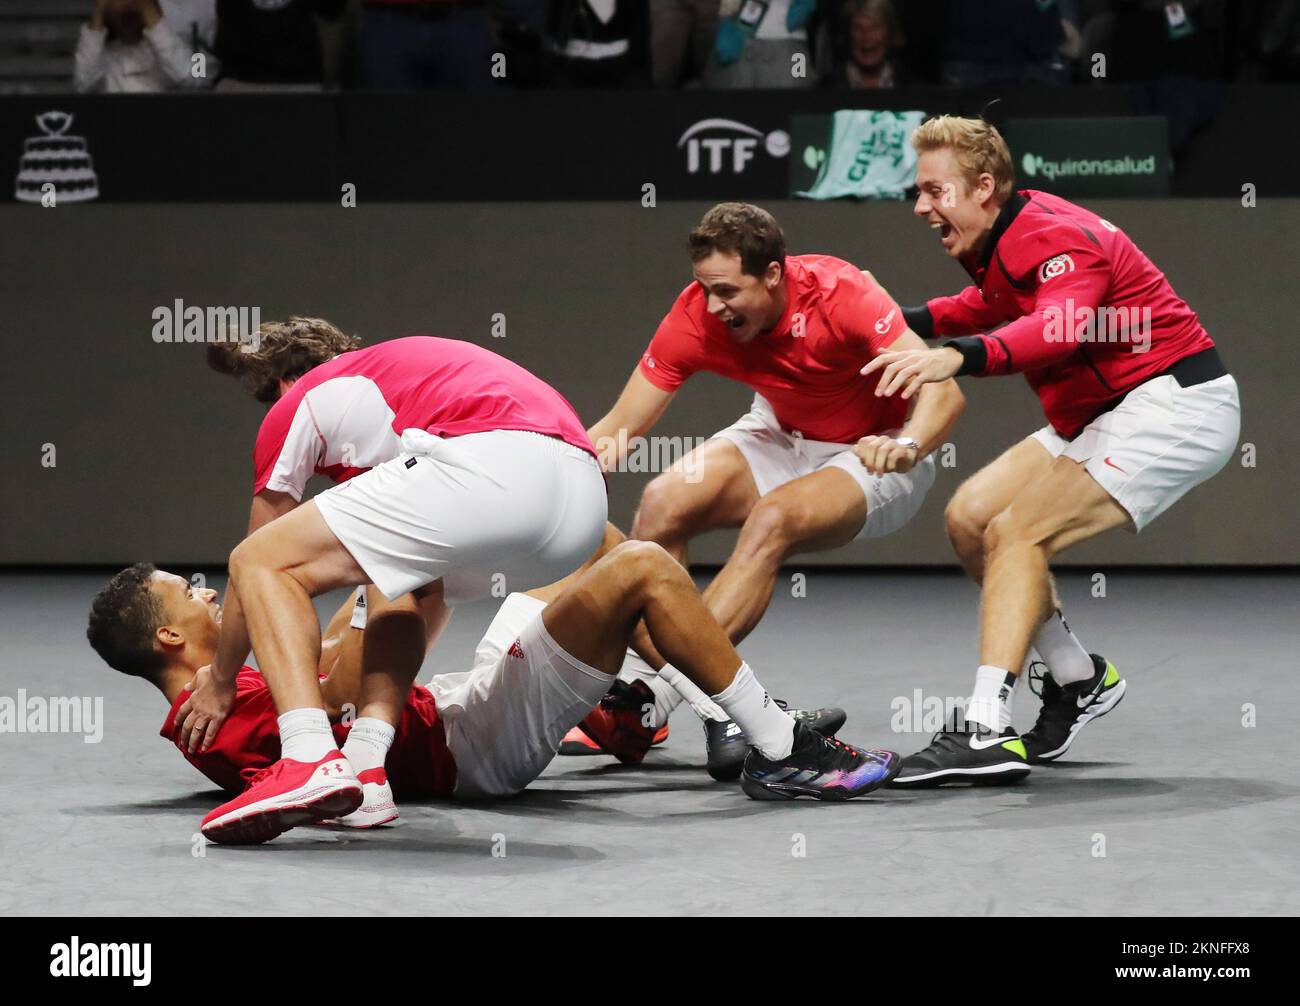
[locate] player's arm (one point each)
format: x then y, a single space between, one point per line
1042 337
267 506
962 314
1045 335
937 409
638 408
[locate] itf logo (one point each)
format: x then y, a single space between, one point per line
55 165
723 143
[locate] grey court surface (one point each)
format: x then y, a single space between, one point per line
1171 805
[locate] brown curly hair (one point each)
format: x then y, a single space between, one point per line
282 351
742 229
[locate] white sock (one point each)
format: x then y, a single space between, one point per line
1062 652
368 743
705 708
305 735
765 724
670 686
990 704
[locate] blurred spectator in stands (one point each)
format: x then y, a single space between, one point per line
599 43
272 45
1149 39
428 44
135 47
762 45
1007 42
1272 42
681 39
1172 56
521 38
863 41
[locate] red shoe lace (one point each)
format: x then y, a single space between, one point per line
252 776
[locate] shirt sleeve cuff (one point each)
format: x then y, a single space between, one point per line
974 354
920 320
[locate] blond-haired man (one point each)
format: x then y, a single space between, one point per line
1139 406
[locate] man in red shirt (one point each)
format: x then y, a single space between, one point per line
819 461
541 668
1140 410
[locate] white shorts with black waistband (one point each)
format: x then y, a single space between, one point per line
776 457
1157 444
487 512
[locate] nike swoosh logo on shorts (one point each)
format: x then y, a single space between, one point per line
1117 468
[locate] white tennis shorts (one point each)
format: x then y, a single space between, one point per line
1158 443
504 510
505 718
776 457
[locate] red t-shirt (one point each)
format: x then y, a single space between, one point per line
347 415
419 764
1087 316
811 379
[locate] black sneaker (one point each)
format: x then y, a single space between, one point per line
817 766
726 745
977 756
1067 709
825 721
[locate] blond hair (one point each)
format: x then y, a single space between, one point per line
976 146
283 350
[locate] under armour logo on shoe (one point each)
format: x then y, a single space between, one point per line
335 767
516 650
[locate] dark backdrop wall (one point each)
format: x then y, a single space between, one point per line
152 452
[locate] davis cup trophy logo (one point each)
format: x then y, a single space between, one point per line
55 159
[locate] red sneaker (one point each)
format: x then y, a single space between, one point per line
617 724
283 796
577 744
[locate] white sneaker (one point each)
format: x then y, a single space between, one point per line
377 806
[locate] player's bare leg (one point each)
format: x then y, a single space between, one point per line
594 619
397 636
986 494
978 501
819 511
1063 508
711 487
276 572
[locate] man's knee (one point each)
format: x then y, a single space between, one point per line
244 558
1008 530
771 529
645 566
966 517
662 514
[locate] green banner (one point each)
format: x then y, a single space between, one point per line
1091 157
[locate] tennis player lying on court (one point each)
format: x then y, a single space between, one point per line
492 730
